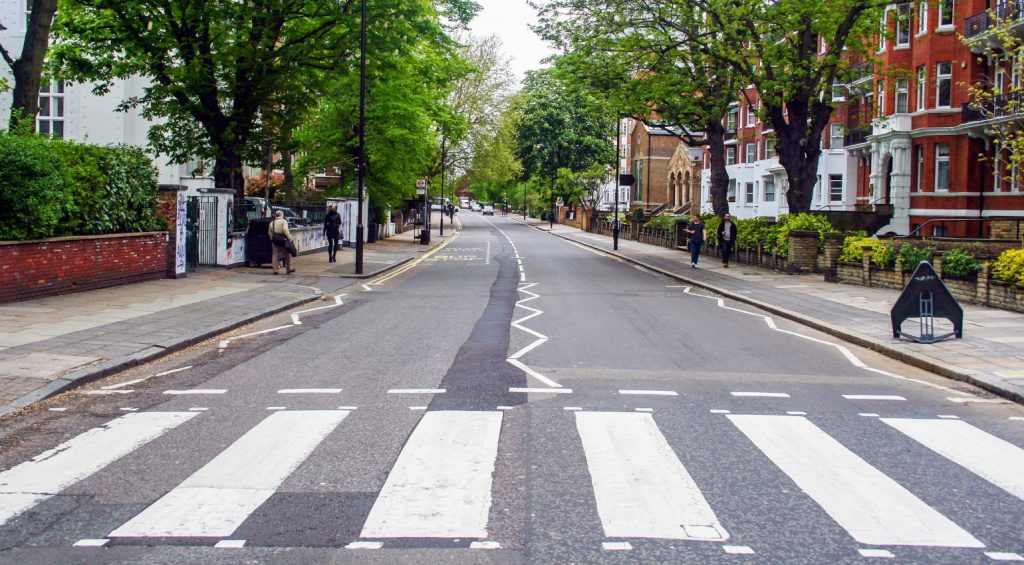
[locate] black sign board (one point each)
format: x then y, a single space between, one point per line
926 298
627 180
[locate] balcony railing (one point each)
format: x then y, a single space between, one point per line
863 70
1000 106
856 136
1005 10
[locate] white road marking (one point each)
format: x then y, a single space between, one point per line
309 391
418 407
949 417
872 397
1018 418
172 371
365 545
485 545
528 348
868 415
540 390
641 488
522 366
796 413
572 408
487 257
230 544
106 392
124 384
649 392
505 407
196 391
873 508
616 546
1003 556
719 411
738 549
348 408
198 409
128 409
226 342
217 498
366 288
440 487
876 553
58 409
644 409
29 483
295 322
295 319
416 391
979 400
277 407
991 458
760 394
90 543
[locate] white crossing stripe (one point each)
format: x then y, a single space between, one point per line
641 487
45 475
873 397
649 392
754 394
991 458
217 498
872 507
309 391
440 487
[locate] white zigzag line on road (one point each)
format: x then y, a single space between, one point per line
842 349
224 343
541 338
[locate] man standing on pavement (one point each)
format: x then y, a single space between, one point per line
726 238
279 238
696 230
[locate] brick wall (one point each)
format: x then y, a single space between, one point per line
31 269
803 251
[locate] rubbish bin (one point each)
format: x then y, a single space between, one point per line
424 237
371 234
258 248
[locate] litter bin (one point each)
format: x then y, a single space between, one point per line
258 249
371 234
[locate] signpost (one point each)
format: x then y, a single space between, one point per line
926 297
421 188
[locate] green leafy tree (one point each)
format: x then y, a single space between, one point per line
27 68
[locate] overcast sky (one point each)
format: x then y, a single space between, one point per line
509 20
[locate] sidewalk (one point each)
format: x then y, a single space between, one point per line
51 344
991 355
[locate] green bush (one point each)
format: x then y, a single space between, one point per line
33 188
751 232
777 240
1009 266
883 255
911 257
959 263
665 222
711 224
638 214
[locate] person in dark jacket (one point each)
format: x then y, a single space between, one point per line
726 238
332 230
696 230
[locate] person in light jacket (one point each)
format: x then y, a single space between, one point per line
278 228
726 238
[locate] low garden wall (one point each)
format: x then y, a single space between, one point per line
31 269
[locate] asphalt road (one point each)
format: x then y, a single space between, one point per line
513 397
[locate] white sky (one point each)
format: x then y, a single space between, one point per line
509 19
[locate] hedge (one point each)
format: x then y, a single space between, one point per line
1009 266
54 188
774 234
883 255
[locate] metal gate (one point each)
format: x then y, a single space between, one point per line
201 232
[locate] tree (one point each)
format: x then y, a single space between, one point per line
494 160
584 187
28 67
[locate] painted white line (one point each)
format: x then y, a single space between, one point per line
979 400
738 549
440 487
528 348
128 409
365 545
224 343
649 392
991 458
90 543
719 411
217 498
124 384
522 366
366 288
616 546
1003 556
485 545
172 371
876 553
197 391
58 409
572 408
348 408
295 319
230 544
873 508
760 394
418 407
868 415
106 392
530 390
796 413
872 397
309 391
198 409
277 407
675 286
641 487
416 391
45 475
644 409
505 407
949 417
1018 418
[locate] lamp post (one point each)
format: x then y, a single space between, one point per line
362 141
443 157
618 163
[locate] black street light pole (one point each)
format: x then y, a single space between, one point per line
618 163
551 214
443 147
362 141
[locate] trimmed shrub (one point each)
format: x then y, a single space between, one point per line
711 224
32 188
883 255
1009 266
638 214
911 257
959 263
778 238
665 222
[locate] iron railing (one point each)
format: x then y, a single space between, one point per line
856 136
999 106
1004 10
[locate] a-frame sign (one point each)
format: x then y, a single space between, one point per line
926 298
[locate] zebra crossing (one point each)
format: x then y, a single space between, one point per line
440 486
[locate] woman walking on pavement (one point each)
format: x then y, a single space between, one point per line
332 227
279 237
696 230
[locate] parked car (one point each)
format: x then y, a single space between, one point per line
474 207
488 210
290 215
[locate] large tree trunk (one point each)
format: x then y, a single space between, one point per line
227 173
28 68
799 145
714 133
289 175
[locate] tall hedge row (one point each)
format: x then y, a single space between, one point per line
54 188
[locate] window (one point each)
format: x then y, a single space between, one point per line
882 31
945 14
939 231
769 148
903 25
1015 74
1014 178
730 155
751 115
902 95
922 17
920 168
921 77
838 92
943 84
731 194
881 99
730 121
835 136
50 119
749 197
751 153
999 80
638 194
835 188
942 166
769 190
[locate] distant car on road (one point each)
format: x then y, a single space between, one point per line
474 207
488 210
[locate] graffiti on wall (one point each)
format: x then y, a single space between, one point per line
179 248
309 239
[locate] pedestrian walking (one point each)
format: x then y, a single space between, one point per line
279 237
332 230
696 230
726 238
